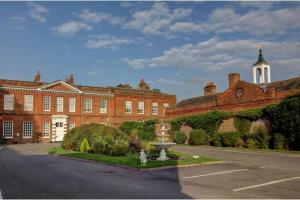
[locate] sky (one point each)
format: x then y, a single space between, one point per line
175 46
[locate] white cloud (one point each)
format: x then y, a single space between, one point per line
71 27
37 11
157 19
215 54
107 41
96 17
125 4
256 22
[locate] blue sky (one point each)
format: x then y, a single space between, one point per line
175 46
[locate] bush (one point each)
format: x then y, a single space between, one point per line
135 144
261 138
198 137
92 132
179 137
84 146
146 130
110 146
217 140
231 139
278 141
243 125
250 143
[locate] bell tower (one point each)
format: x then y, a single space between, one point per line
263 69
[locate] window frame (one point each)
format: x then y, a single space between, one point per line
128 110
72 104
139 108
29 102
26 133
59 105
103 109
85 105
48 130
152 110
5 131
46 102
8 102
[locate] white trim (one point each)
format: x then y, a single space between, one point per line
57 83
53 91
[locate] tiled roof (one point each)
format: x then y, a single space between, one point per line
289 84
196 101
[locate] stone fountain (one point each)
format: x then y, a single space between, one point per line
163 145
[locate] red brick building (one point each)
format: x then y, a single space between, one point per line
35 110
240 95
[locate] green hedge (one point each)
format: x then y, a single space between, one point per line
285 119
199 137
232 139
179 137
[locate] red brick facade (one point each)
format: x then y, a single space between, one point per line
240 95
115 99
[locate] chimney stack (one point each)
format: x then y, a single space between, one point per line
210 88
70 80
37 77
233 79
143 85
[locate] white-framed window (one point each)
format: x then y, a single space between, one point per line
8 102
154 108
72 104
88 103
141 107
46 103
128 107
103 106
59 104
28 102
166 105
27 129
71 125
8 128
46 129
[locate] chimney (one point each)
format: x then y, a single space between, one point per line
37 77
233 78
70 80
210 88
143 85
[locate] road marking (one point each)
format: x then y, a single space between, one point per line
216 173
264 184
1 197
1 148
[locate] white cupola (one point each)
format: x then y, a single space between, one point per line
263 69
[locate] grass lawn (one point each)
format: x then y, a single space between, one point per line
132 160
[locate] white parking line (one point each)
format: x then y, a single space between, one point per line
1 197
216 173
264 184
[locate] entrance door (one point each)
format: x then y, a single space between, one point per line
59 131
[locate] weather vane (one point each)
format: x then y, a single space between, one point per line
259 46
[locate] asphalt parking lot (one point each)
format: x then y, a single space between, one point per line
26 172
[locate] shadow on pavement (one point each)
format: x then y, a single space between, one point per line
43 176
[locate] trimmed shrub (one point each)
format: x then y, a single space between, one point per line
278 141
84 146
179 137
261 138
231 139
198 137
216 140
92 132
110 146
250 143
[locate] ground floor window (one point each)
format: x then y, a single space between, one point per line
46 129
27 129
8 129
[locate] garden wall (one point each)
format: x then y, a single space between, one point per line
186 129
227 125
